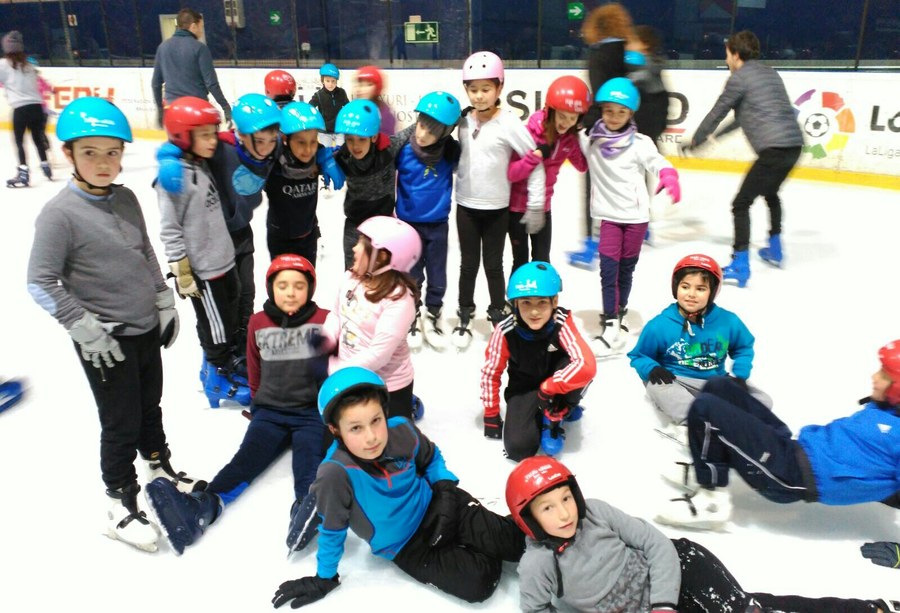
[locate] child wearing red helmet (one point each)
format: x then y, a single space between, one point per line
690 341
554 131
593 557
286 364
370 85
847 461
280 86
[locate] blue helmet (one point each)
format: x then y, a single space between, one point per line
91 116
440 106
358 118
255 112
344 381
635 58
329 70
299 116
621 91
534 279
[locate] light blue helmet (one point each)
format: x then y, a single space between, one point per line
299 116
329 70
91 116
358 118
534 279
255 112
440 106
621 91
635 58
344 381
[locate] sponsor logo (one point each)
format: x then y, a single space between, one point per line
826 121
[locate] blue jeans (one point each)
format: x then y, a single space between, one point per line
433 263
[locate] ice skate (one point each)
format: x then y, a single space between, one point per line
433 329
574 414
418 408
609 342
680 475
495 315
772 254
553 437
183 517
739 269
11 392
587 257
20 180
630 321
221 384
461 337
415 337
304 524
888 606
676 434
158 466
45 168
703 509
127 523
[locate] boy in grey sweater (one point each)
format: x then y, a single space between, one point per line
92 268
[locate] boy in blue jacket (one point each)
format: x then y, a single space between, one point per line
425 167
680 349
387 482
851 460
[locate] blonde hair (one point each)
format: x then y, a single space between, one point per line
608 21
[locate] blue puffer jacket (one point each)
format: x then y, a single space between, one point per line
423 192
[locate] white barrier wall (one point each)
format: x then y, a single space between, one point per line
851 121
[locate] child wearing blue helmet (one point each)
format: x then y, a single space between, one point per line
93 268
330 99
619 160
386 481
548 363
425 167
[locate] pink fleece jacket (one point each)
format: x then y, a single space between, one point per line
566 148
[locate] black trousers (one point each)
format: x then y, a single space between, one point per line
30 117
127 398
763 179
482 237
243 263
400 403
522 428
307 246
469 564
519 239
217 317
706 585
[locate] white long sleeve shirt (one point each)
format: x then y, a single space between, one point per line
487 147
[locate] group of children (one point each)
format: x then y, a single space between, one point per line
336 386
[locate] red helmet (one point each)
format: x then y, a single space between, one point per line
531 478
185 114
289 261
569 94
890 362
280 83
702 262
371 73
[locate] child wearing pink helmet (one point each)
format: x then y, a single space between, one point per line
376 305
489 137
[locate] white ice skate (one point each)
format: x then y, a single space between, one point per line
610 342
680 475
702 509
415 337
160 466
433 328
127 523
461 337
677 435
630 321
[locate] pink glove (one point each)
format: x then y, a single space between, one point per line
668 180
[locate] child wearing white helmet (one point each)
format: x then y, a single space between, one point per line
489 136
619 159
93 268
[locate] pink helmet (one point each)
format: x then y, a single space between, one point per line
395 236
483 65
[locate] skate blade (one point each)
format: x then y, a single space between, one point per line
670 437
704 525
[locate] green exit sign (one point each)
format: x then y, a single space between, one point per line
274 18
575 10
421 31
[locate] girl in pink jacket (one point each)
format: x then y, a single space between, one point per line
376 305
553 129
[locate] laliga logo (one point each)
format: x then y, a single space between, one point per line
826 121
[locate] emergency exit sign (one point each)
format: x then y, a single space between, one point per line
421 31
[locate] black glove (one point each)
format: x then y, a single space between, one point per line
545 150
444 500
493 426
661 375
883 553
452 150
304 591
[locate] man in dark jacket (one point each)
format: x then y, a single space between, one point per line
185 65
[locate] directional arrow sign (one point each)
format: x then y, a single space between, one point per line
274 18
575 10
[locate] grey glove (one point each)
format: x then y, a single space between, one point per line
534 220
96 341
168 318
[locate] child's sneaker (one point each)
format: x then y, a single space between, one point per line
703 509
415 337
127 523
434 332
553 437
462 334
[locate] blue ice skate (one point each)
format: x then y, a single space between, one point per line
11 392
183 517
587 257
773 254
418 408
223 385
553 437
304 524
574 414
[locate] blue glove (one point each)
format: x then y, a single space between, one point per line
171 173
331 172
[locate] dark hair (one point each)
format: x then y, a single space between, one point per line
495 81
18 59
386 284
359 395
610 20
744 44
649 36
187 17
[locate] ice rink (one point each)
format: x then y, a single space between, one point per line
818 325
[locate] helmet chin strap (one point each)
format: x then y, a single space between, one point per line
90 185
375 273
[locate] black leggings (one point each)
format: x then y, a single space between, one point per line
763 179
482 234
30 117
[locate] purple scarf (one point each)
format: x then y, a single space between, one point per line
612 141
